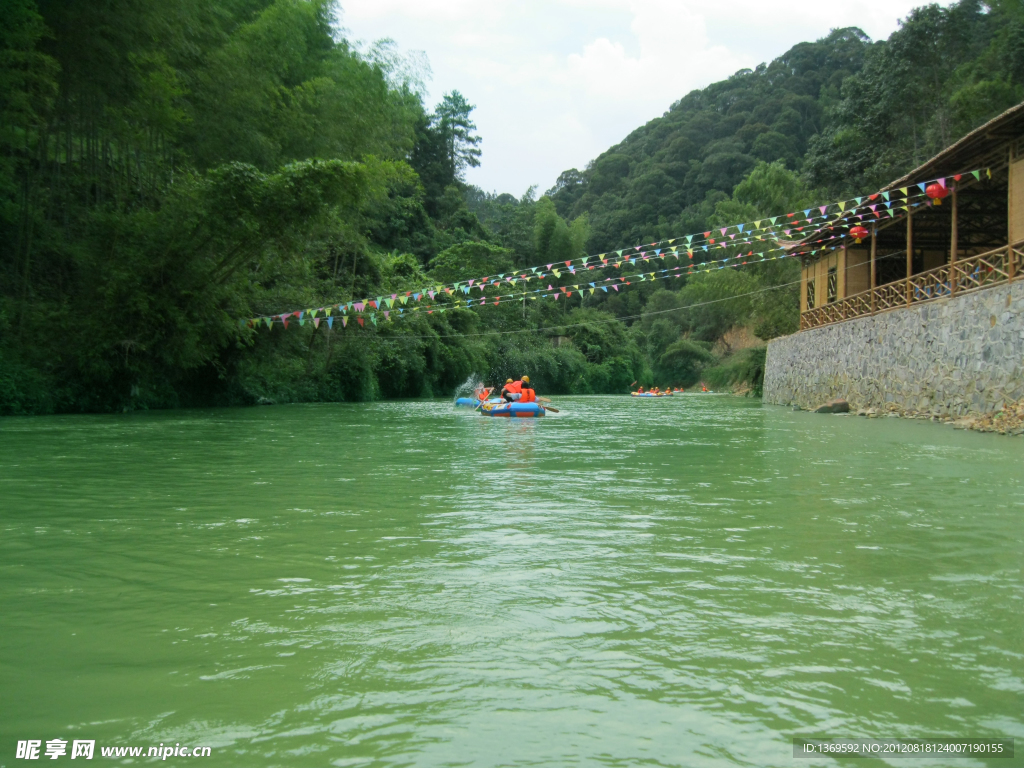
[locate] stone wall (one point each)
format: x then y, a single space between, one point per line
953 357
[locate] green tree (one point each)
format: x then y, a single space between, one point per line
456 128
445 146
469 260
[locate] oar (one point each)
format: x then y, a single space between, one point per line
553 410
546 400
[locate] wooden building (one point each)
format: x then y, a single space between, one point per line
971 239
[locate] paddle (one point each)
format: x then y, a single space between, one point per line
547 407
553 410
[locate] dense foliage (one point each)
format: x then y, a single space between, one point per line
167 168
943 73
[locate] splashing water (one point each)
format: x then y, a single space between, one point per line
468 387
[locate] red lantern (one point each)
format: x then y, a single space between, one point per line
859 232
936 192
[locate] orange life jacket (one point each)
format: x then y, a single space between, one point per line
529 396
515 387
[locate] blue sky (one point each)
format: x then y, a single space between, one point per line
556 82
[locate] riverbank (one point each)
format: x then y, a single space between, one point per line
956 358
1007 421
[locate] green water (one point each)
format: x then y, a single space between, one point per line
689 581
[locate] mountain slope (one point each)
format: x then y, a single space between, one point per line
665 177
848 114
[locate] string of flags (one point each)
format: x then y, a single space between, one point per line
788 231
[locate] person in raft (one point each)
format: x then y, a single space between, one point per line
512 390
527 392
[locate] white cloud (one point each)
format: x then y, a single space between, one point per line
556 82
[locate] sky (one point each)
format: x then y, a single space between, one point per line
557 82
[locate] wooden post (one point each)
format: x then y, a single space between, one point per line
953 247
874 280
1011 257
910 255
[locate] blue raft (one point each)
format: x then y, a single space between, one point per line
472 402
513 410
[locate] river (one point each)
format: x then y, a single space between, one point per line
688 581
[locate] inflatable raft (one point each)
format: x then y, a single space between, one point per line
480 395
652 394
472 402
513 410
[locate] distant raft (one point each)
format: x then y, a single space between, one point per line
513 410
652 394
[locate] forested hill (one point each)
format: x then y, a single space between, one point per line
666 176
170 168
846 113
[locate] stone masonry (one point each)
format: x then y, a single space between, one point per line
953 357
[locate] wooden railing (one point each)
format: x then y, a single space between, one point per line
969 274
